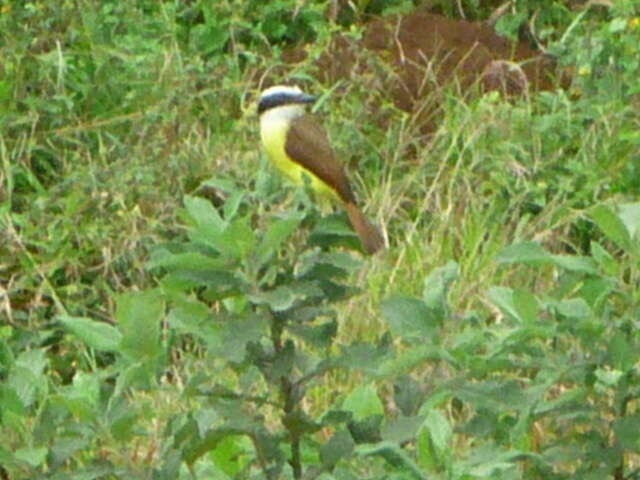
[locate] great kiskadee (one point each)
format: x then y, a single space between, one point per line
298 146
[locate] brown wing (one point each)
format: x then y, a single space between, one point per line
307 145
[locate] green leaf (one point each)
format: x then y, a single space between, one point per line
97 335
139 316
299 423
574 263
502 297
334 230
626 429
410 358
436 287
364 356
320 336
492 462
408 395
434 441
232 454
363 402
206 217
629 213
123 420
611 225
284 297
394 455
32 456
339 446
277 233
606 261
238 239
623 354
401 429
163 258
27 377
409 318
495 396
83 397
574 308
525 252
526 305
236 334
617 25
11 402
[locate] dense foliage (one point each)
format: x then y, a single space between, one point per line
169 311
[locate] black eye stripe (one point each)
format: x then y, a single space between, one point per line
276 100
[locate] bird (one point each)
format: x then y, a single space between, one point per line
298 145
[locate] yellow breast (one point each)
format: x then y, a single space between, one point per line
273 131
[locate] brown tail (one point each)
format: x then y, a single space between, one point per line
370 236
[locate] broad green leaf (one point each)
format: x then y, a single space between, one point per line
277 233
611 225
626 429
408 395
238 239
232 204
434 441
489 461
83 396
286 296
525 252
321 265
436 286
629 213
204 214
606 261
299 423
608 377
232 454
205 418
409 318
526 304
339 446
574 308
363 402
596 290
32 456
66 446
496 396
97 335
123 419
365 356
502 297
236 334
410 358
27 377
11 402
139 316
624 354
394 455
574 263
318 335
401 429
334 230
163 258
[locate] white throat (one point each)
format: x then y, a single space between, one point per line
282 114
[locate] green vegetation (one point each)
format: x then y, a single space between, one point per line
169 311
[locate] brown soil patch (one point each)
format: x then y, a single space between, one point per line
409 59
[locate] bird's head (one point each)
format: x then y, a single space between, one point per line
283 95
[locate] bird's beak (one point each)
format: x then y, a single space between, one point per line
310 99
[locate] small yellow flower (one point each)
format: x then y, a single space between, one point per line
634 22
584 70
